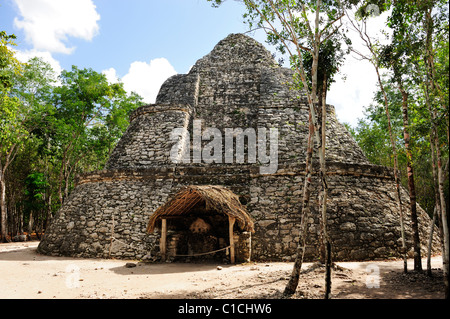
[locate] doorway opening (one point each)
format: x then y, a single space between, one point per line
202 223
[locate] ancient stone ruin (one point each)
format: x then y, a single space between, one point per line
168 193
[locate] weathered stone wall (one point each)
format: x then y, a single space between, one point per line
230 90
237 85
147 140
363 221
94 212
363 217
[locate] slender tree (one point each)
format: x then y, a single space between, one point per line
296 28
418 59
373 58
331 57
13 116
407 43
433 88
32 89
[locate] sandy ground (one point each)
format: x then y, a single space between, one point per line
25 274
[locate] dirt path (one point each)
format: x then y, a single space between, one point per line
25 274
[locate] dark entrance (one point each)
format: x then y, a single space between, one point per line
203 223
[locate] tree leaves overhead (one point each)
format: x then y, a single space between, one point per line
55 128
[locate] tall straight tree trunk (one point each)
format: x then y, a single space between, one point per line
431 84
396 178
305 211
313 133
375 62
444 217
438 178
430 242
3 223
10 155
48 215
314 37
323 173
437 200
30 223
62 174
411 184
444 220
445 234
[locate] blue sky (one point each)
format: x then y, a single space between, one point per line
143 42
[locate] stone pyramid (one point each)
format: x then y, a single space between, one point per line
238 85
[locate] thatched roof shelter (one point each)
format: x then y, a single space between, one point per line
217 198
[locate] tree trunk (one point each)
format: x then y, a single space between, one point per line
431 84
20 221
66 186
30 223
322 221
323 173
60 181
411 184
443 209
374 60
15 222
48 216
430 242
305 210
3 223
438 183
62 173
434 87
328 264
437 200
396 178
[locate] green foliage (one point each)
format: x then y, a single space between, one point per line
331 57
417 58
36 186
53 128
372 136
374 140
8 63
11 112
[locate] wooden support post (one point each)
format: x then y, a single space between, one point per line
162 243
231 224
112 236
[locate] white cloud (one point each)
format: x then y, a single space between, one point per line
111 75
144 78
24 56
350 96
48 23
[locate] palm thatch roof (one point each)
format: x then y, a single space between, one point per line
217 198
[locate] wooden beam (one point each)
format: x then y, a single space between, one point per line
112 236
231 221
171 217
162 243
